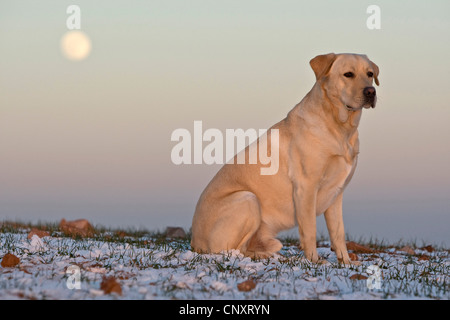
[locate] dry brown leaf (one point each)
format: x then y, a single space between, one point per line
80 227
407 249
9 260
121 234
353 256
358 276
110 285
358 248
428 248
39 233
246 285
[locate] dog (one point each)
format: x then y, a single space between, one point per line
318 150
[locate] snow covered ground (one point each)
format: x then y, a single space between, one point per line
152 268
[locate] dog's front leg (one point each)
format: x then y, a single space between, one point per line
305 212
335 225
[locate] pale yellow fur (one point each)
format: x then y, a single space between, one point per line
318 148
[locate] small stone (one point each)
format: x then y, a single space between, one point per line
175 232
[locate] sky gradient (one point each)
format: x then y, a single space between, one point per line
91 139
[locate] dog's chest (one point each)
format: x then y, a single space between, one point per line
335 178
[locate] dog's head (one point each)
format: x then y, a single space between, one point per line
347 80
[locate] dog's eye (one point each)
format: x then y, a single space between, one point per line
349 74
370 74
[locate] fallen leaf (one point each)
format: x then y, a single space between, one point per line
121 234
110 285
357 248
428 248
424 257
80 227
407 249
358 276
39 233
246 285
9 260
353 256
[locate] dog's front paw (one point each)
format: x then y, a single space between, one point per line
313 257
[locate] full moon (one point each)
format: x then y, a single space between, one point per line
75 45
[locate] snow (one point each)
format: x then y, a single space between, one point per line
172 271
35 245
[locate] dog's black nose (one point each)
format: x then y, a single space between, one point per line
369 92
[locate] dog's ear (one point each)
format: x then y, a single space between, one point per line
376 72
322 64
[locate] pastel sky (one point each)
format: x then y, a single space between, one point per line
91 139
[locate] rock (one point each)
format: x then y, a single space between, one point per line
110 285
9 260
80 227
357 248
175 232
39 233
358 276
407 249
246 285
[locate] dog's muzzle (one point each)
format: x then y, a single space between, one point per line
370 95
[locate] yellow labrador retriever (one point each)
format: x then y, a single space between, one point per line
318 148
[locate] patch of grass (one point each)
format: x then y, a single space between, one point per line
126 252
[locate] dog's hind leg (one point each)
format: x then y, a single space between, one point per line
263 243
226 224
